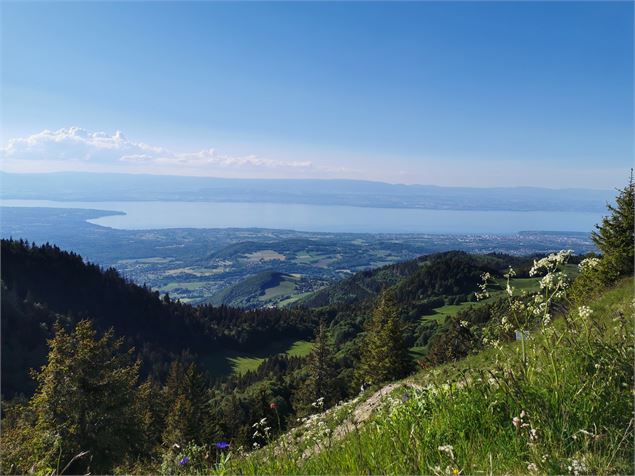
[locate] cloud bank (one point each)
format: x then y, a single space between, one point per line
75 148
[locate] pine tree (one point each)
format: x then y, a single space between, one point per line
85 402
151 409
614 236
384 355
185 394
322 380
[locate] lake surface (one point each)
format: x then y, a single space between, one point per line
325 218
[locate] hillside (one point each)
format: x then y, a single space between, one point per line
569 412
453 273
269 288
43 284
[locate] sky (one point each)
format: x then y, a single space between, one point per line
447 93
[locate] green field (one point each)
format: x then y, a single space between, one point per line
240 363
529 285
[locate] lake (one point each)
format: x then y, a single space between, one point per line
322 218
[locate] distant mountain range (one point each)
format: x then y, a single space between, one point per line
75 186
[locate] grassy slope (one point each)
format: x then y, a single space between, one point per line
239 363
581 410
255 289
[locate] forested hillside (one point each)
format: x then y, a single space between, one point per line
41 284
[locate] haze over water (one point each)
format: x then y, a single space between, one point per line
321 218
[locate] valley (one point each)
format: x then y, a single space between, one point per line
226 265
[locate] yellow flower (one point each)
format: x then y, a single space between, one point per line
455 470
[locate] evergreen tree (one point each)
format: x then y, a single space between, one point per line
187 417
384 354
614 236
151 409
322 380
85 403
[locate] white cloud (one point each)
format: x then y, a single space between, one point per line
78 149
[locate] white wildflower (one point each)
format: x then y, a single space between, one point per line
588 264
449 449
510 290
533 434
585 312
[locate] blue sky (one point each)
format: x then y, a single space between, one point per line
450 93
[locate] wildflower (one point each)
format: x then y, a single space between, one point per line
585 312
516 421
449 449
533 434
509 290
221 445
256 445
588 264
319 403
577 467
455 471
531 467
184 461
486 277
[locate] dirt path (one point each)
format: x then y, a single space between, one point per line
360 414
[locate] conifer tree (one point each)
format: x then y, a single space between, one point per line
614 236
85 403
186 397
384 355
322 380
151 409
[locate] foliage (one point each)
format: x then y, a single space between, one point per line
187 419
614 236
83 405
384 355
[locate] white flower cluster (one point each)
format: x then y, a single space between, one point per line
585 312
319 403
522 425
262 430
577 466
483 294
588 264
550 263
449 449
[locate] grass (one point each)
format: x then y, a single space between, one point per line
189 285
291 299
572 401
286 287
439 314
240 363
300 348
